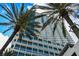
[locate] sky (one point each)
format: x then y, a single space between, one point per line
4 37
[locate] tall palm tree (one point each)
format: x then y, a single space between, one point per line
21 20
59 12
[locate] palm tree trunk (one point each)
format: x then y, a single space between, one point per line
9 40
74 28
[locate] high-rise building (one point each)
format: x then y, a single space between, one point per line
46 45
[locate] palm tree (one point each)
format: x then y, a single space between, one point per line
59 12
20 20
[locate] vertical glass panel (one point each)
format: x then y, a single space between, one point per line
50 47
45 46
34 50
49 42
46 53
23 48
40 40
29 49
40 45
35 44
30 43
21 54
15 53
23 41
41 51
51 53
17 46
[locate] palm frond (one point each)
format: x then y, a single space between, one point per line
53 13
8 29
31 32
36 30
54 19
27 34
5 17
43 7
47 12
37 26
55 26
39 16
11 19
67 4
54 5
47 23
21 8
6 9
5 24
14 10
63 29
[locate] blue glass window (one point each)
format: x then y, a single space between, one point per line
59 49
50 47
19 40
46 53
14 39
55 48
21 54
58 44
41 51
35 38
45 46
23 41
17 46
56 54
49 42
15 53
62 45
12 46
40 40
28 54
35 44
30 43
40 45
34 50
17 34
29 49
51 53
22 48
45 41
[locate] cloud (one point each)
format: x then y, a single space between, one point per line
3 39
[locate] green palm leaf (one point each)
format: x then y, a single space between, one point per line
43 7
39 16
47 23
21 8
5 24
63 29
55 26
8 29
14 10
